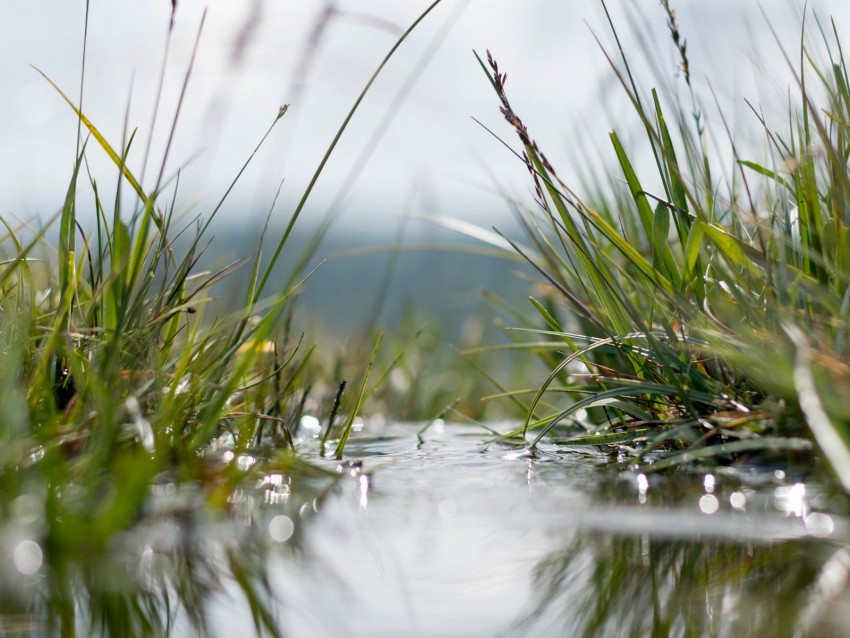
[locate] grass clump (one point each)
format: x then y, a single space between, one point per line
707 318
135 430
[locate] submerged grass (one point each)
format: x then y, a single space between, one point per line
707 318
125 408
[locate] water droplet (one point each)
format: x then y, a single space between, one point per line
281 528
709 504
27 557
643 488
245 461
311 423
182 386
364 491
738 501
36 454
275 480
791 499
277 495
709 482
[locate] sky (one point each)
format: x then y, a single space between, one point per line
425 154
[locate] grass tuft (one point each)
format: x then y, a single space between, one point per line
707 318
136 430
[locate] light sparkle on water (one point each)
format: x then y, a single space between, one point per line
791 499
27 557
709 504
643 488
738 501
281 528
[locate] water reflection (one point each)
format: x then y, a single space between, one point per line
440 534
640 586
166 573
643 488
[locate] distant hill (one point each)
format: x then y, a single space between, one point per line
367 279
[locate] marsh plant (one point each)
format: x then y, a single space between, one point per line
700 322
707 319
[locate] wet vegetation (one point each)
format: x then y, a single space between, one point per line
153 455
126 408
705 318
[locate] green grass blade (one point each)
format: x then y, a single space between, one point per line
104 144
315 178
637 191
772 444
346 431
761 170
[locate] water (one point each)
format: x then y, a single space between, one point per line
445 536
440 532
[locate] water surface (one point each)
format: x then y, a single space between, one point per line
444 535
442 531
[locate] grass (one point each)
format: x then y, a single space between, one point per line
707 319
704 322
125 408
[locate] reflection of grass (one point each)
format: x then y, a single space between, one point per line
639 586
124 409
710 312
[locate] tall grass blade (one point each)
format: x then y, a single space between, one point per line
355 410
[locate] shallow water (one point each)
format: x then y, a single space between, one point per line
442 533
445 536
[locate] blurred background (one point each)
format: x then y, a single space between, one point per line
413 149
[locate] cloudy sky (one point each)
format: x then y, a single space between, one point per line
255 55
